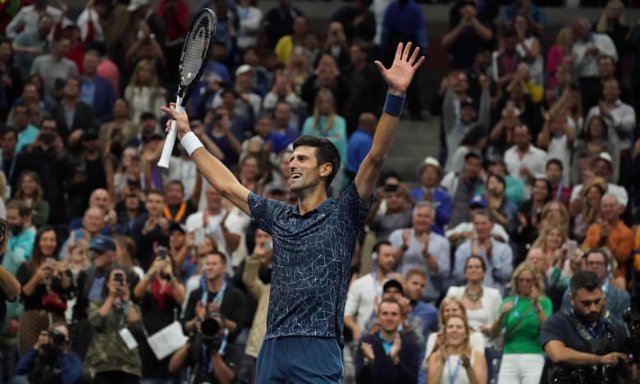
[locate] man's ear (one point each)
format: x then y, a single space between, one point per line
326 169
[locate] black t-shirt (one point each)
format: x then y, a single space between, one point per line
3 307
232 306
560 327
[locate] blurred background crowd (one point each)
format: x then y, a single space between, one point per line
518 165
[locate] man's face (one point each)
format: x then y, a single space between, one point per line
93 220
214 199
213 266
100 199
606 68
103 260
588 305
483 226
71 88
468 114
154 204
602 168
611 91
90 63
282 115
13 218
521 137
389 316
609 208
174 194
414 287
423 219
471 168
148 125
44 26
62 47
554 173
21 116
597 263
386 259
305 170
430 176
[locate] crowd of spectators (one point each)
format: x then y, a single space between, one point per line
132 273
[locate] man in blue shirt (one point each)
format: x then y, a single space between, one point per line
360 143
313 241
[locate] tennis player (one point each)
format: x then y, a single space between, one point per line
314 240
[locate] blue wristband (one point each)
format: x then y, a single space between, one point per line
393 104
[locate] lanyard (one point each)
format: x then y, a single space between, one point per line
179 215
205 293
453 373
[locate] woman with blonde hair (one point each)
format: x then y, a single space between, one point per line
449 307
612 22
31 194
560 53
454 353
589 213
144 93
555 213
325 122
521 318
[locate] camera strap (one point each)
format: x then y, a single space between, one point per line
217 298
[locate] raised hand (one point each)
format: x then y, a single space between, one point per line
181 118
404 66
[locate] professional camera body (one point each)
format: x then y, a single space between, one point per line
46 369
202 345
631 318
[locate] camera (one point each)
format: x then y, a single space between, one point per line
210 331
48 137
163 253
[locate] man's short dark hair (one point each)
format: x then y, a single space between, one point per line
376 247
220 254
556 162
472 154
584 279
326 152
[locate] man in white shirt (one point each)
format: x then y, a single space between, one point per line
525 161
587 48
27 18
602 166
621 118
363 296
420 247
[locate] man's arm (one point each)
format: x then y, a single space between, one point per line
558 352
9 285
216 173
398 78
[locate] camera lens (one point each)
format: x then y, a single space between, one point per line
210 327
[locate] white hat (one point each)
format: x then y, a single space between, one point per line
430 160
606 157
244 68
135 4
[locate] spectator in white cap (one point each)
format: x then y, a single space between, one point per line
243 85
430 176
602 166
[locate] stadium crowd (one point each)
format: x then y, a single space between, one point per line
510 259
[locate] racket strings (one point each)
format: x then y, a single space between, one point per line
195 49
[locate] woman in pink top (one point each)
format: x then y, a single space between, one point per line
559 54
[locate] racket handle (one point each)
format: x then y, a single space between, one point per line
168 146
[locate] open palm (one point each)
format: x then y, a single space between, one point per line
404 66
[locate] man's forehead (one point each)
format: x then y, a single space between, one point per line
584 294
304 150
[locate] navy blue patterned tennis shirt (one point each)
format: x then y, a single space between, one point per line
311 262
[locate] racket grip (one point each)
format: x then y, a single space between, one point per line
167 149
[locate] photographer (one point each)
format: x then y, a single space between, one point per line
113 354
50 361
215 314
160 296
582 345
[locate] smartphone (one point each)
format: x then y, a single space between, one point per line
163 253
119 278
199 237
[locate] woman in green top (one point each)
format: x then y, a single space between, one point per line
114 319
521 317
31 193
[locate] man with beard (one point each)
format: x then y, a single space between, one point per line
582 345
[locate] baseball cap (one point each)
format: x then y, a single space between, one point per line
478 202
606 157
102 244
432 161
244 68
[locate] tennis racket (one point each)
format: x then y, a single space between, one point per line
193 61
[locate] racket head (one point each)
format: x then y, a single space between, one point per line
197 47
